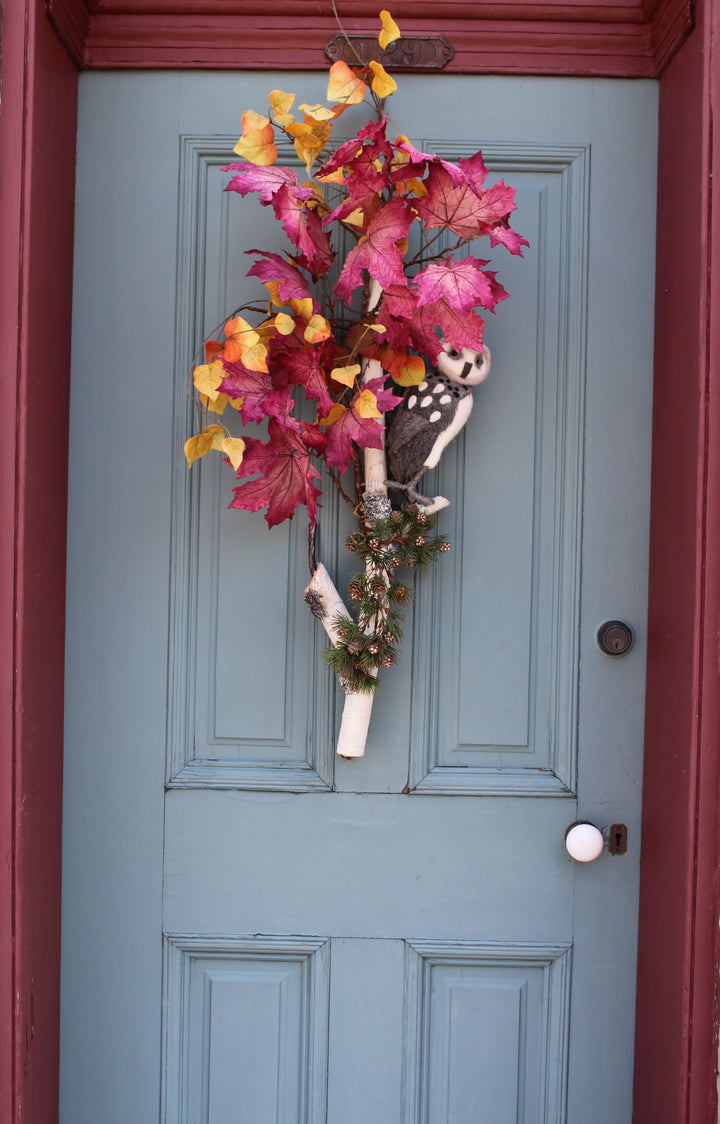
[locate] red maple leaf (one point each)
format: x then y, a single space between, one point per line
503 235
466 212
273 267
354 151
303 228
293 362
260 397
378 252
286 476
460 284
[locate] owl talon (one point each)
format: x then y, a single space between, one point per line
409 490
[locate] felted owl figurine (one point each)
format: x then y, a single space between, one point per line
430 416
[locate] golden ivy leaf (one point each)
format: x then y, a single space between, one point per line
216 405
255 357
344 85
390 30
197 446
241 336
382 84
234 447
273 288
366 405
346 375
319 112
336 412
317 329
216 434
302 306
280 103
258 146
207 379
285 324
310 139
332 177
356 218
252 121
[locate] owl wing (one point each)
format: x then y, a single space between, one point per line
409 441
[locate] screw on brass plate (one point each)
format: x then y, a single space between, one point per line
615 638
617 839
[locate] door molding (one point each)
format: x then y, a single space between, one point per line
604 37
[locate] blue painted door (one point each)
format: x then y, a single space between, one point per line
253 931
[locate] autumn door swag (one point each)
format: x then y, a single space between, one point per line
389 377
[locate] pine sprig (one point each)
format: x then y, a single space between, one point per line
368 642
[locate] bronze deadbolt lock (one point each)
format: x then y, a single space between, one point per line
615 638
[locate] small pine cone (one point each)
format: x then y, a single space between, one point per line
400 593
444 546
355 590
396 517
350 547
422 518
388 661
342 633
373 544
373 649
377 585
394 563
420 540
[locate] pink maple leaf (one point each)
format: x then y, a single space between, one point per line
267 181
460 329
352 150
395 314
302 227
461 284
286 476
503 235
260 397
273 267
378 252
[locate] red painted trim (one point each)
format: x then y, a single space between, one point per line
37 162
679 906
632 39
676 1034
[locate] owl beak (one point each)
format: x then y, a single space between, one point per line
466 370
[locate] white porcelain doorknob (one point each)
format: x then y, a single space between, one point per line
584 841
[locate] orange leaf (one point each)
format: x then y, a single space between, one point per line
346 375
336 412
382 84
273 288
333 177
302 307
390 30
344 84
252 121
317 329
258 146
408 370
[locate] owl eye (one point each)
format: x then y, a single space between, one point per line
453 353
479 360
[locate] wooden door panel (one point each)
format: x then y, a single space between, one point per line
390 938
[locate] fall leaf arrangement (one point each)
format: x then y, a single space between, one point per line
348 326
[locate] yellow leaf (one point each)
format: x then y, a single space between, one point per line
379 328
280 102
356 218
217 405
234 447
197 446
390 30
332 177
317 329
411 373
255 357
344 84
417 187
318 112
366 405
310 139
207 379
346 375
216 434
302 307
382 84
284 324
252 121
336 412
273 288
258 147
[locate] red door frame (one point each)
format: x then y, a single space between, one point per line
676 1047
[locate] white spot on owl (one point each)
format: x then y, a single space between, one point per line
423 385
425 401
435 415
445 399
411 401
438 388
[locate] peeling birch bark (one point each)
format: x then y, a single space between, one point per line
325 603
